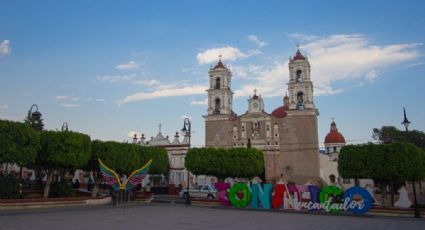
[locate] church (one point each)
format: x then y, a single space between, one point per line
288 136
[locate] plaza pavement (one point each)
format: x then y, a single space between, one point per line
168 216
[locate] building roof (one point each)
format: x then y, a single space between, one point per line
219 65
334 136
280 112
298 56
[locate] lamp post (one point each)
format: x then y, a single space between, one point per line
64 127
187 130
406 124
34 118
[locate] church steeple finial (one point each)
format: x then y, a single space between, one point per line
219 57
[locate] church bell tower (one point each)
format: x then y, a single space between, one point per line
220 118
220 95
300 86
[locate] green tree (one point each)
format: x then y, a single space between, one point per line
158 155
19 143
390 134
222 163
63 151
352 162
123 158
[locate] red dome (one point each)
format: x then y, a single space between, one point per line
219 65
280 112
334 136
298 56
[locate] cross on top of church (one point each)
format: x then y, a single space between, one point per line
219 57
159 126
255 91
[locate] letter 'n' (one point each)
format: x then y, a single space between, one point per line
262 194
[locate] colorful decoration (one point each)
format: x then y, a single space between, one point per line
111 177
364 194
222 193
331 198
331 194
262 194
240 189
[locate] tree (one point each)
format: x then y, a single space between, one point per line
390 134
351 162
159 157
222 163
19 143
63 151
123 158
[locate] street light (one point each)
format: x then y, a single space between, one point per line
187 130
406 124
34 118
64 127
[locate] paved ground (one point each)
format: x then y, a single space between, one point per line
167 216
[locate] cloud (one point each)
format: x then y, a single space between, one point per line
131 134
151 82
334 58
228 53
371 75
256 40
5 48
4 107
171 91
100 100
69 105
199 102
414 64
128 66
61 97
116 78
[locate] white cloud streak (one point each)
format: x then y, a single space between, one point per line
69 105
128 66
116 78
256 40
61 97
199 102
171 91
228 53
5 48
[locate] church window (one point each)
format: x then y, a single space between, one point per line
300 100
217 106
299 76
334 149
217 83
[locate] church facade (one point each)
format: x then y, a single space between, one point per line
288 136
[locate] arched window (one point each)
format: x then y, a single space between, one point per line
217 106
217 83
300 100
299 76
